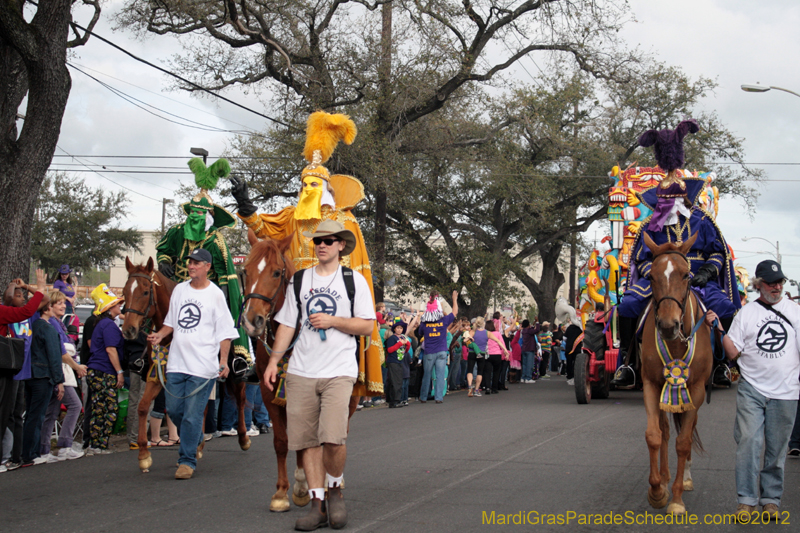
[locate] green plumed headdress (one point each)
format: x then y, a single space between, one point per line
206 178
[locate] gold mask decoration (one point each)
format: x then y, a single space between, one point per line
310 203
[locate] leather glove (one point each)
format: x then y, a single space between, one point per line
240 194
166 269
705 274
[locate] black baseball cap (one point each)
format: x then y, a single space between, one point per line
200 254
770 271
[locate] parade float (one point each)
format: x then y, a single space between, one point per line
602 278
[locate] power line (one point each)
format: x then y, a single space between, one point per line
199 110
284 158
132 100
114 182
184 80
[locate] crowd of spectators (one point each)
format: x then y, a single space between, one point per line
427 358
59 381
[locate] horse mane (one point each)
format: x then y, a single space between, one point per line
267 250
161 278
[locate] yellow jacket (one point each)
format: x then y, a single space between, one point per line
348 192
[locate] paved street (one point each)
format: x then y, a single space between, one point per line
420 468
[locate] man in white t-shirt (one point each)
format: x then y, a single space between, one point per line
323 368
202 329
763 338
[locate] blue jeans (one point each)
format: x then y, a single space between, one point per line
38 392
187 413
760 420
439 361
528 360
405 389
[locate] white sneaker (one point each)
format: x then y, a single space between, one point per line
253 432
208 436
96 451
68 454
51 458
379 401
3 468
571 382
229 433
41 460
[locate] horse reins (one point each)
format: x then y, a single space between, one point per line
681 304
152 300
284 283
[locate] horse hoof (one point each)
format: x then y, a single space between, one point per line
676 509
301 500
145 464
199 453
246 445
688 484
659 503
279 505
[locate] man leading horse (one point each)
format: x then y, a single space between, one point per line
676 217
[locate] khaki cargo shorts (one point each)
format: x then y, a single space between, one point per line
317 410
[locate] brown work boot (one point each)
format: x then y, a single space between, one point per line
771 511
184 472
744 513
337 514
315 519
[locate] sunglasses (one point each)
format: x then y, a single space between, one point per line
776 283
327 240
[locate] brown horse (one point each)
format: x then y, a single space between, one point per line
267 274
676 364
147 293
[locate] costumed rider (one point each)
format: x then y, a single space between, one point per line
323 196
202 228
675 218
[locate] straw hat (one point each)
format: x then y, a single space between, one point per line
332 228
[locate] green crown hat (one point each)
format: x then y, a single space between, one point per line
206 178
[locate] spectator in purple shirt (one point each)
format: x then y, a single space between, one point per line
105 373
435 335
62 281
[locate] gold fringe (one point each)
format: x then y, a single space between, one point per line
677 408
281 402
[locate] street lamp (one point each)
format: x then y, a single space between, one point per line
762 89
777 245
164 203
202 152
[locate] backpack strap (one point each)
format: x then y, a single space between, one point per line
350 286
297 280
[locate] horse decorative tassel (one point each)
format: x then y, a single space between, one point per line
675 397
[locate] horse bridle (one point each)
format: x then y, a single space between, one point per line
269 299
681 304
151 303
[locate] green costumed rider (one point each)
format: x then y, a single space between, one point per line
202 230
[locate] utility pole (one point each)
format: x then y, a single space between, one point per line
384 114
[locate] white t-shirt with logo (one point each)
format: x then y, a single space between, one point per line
770 361
336 356
200 320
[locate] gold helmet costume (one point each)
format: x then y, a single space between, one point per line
326 197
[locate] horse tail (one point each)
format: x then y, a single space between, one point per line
697 444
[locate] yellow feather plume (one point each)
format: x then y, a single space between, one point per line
324 131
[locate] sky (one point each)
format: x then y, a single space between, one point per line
734 42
